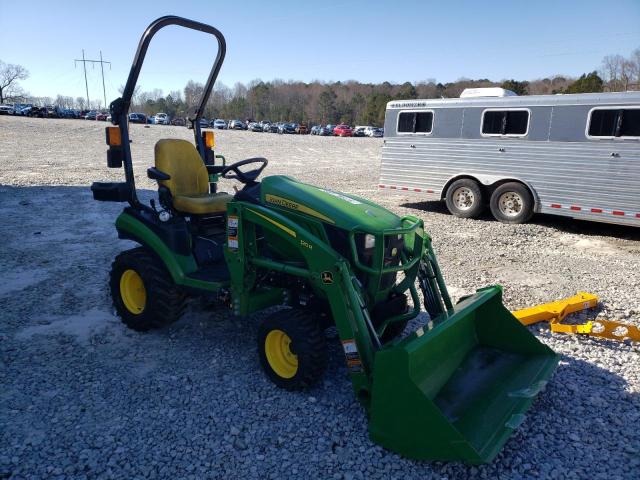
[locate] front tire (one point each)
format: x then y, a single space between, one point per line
142 291
511 202
465 198
292 349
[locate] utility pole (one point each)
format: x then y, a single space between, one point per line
86 85
104 92
84 65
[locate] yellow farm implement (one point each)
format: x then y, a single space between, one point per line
555 313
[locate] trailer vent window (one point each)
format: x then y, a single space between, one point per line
415 122
506 122
615 123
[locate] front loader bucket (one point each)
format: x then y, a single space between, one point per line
458 391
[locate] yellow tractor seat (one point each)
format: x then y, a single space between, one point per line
189 182
198 204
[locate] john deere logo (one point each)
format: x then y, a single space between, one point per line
327 277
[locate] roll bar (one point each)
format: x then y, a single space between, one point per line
119 108
142 51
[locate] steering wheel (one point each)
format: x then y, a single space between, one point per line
244 177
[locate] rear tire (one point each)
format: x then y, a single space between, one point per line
465 198
292 349
511 203
142 291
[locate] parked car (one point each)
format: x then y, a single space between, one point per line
178 122
360 131
25 110
368 131
52 111
204 123
7 109
270 128
237 125
220 124
137 118
343 130
102 116
325 131
39 112
161 119
15 109
287 128
302 129
254 127
376 132
22 109
91 115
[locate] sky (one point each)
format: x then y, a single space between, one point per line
368 41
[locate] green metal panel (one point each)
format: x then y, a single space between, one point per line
179 266
458 391
319 258
344 211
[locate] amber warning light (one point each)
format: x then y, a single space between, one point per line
113 136
209 139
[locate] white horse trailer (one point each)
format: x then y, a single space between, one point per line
574 155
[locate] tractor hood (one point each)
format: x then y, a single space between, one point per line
343 211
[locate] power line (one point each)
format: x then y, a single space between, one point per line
86 84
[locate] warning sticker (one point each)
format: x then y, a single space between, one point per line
354 364
349 347
232 233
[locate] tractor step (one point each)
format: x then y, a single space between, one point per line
212 272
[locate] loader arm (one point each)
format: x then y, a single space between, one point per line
324 269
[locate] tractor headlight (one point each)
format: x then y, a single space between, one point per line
369 241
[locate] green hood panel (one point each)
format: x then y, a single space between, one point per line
344 211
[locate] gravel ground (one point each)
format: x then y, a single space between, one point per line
83 397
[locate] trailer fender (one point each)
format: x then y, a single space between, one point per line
491 182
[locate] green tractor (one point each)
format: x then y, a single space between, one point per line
454 389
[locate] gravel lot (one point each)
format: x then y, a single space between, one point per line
83 397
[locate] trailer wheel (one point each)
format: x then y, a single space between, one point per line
292 349
142 291
465 198
511 203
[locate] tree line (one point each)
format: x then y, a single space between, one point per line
350 102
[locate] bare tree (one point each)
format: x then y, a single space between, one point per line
10 74
136 93
634 69
156 94
192 93
239 90
612 67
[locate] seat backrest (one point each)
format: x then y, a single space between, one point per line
180 159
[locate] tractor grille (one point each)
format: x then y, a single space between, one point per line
393 245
